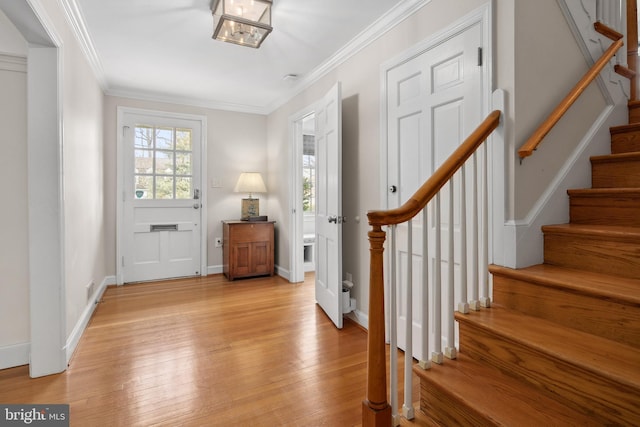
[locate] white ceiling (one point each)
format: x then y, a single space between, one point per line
163 50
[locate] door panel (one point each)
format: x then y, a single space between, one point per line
434 101
329 205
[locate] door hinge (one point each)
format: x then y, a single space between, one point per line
479 57
123 260
124 128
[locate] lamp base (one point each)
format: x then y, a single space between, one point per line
250 208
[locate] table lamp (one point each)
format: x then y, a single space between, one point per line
250 182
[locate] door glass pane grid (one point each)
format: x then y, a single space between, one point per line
163 166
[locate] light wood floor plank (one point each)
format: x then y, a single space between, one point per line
208 352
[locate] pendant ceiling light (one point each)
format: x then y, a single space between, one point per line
243 22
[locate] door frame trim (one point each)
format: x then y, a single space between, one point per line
121 112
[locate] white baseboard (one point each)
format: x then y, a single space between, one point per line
214 269
14 355
81 325
284 273
360 318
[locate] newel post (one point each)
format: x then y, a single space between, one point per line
375 408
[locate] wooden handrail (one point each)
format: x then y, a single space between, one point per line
376 411
430 188
532 143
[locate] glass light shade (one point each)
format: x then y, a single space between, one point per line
243 22
250 182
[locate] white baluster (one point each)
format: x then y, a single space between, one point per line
436 357
426 313
474 304
463 305
450 350
485 300
393 332
407 407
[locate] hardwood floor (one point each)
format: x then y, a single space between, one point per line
206 351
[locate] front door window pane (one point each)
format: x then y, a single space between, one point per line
163 159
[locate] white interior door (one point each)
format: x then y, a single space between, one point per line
433 102
162 200
329 205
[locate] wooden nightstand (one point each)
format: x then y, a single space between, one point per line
247 248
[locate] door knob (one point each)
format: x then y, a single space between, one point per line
393 189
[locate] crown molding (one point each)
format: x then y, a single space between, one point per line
75 18
192 102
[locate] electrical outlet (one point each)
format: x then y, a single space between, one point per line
218 242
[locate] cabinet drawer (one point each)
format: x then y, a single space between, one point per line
246 233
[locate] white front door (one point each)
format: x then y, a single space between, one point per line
434 101
161 197
329 204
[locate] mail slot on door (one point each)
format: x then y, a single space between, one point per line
164 227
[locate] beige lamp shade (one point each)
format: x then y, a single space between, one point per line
250 182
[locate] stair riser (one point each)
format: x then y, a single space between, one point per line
594 315
616 257
627 142
618 174
605 399
446 410
605 210
634 113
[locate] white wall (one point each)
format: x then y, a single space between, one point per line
14 267
236 143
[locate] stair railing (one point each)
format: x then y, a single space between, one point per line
376 410
603 13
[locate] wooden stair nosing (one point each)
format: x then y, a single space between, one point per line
602 286
600 232
626 193
600 356
631 127
495 396
614 158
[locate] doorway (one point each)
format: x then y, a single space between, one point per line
308 195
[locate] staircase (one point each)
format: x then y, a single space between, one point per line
561 344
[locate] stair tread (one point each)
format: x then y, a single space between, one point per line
607 358
616 288
631 127
499 397
598 192
614 232
620 157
